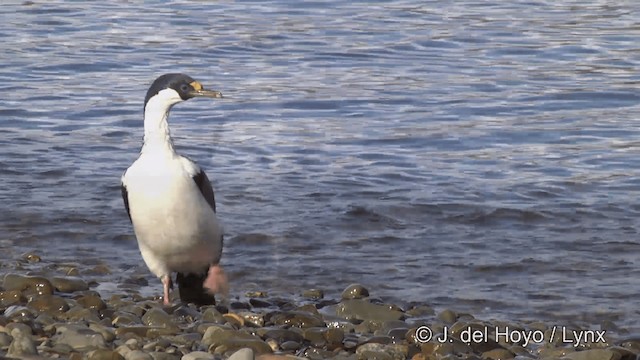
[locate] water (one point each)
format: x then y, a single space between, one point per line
479 156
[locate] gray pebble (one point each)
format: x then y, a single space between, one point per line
80 338
22 343
243 354
198 355
138 355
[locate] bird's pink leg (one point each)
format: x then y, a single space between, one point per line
167 284
216 281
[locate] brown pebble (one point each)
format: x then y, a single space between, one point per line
11 297
355 291
28 285
234 319
50 304
31 257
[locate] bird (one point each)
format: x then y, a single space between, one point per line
170 201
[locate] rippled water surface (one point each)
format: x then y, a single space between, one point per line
479 156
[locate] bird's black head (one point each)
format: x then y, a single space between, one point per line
184 85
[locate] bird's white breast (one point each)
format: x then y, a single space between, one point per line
176 228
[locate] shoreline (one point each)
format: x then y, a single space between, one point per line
60 316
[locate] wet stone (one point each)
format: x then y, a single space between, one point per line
593 354
213 315
79 338
252 319
315 336
103 354
69 284
79 313
290 345
283 335
157 317
19 313
28 285
355 291
11 297
498 354
420 311
314 294
256 294
259 303
297 319
51 304
447 316
364 310
91 301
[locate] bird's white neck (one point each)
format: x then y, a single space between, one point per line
157 137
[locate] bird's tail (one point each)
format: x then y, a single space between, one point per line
191 289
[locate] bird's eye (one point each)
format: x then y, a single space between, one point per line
184 87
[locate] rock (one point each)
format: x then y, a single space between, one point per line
80 338
380 351
11 297
212 314
243 354
28 285
420 311
498 354
593 354
198 355
222 340
234 319
79 313
252 319
50 304
290 346
69 284
103 354
5 339
157 355
91 301
156 317
447 316
355 291
282 335
19 313
298 319
314 294
364 310
137 355
31 257
22 344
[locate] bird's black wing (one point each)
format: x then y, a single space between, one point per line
125 197
204 185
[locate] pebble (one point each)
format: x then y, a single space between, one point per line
69 284
355 291
28 285
22 343
364 310
80 338
243 354
198 355
60 318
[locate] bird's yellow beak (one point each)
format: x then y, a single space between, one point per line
199 91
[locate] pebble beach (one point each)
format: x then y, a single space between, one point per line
52 310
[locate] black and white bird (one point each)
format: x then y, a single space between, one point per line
170 201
